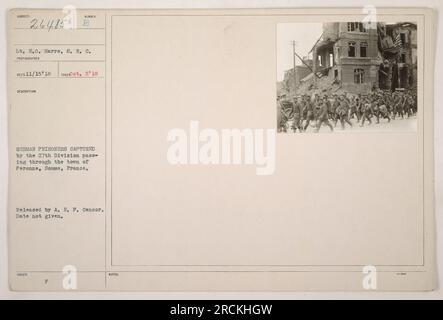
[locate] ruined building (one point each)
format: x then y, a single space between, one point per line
356 59
398 47
291 81
348 53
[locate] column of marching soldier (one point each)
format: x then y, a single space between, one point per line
330 109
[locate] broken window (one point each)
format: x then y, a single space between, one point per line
359 76
356 26
403 38
361 27
351 49
403 58
363 49
351 26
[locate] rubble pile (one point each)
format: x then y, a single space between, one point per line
323 85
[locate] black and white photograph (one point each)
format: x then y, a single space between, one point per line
347 77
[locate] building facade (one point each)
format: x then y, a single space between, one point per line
398 47
347 52
361 59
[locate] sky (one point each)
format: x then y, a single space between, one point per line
305 35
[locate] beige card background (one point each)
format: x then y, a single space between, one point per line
326 190
334 204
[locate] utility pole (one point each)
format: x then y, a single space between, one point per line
303 61
293 63
295 54
314 64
